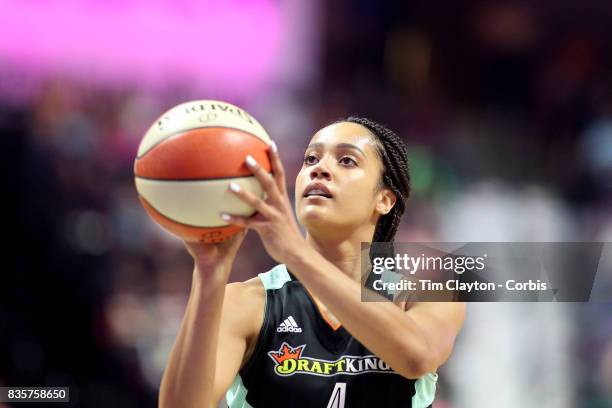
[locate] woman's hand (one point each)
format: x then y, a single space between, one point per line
274 220
215 259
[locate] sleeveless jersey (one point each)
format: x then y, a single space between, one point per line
299 360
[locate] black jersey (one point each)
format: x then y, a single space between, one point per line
301 361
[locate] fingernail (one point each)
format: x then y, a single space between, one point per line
273 146
225 217
250 160
234 186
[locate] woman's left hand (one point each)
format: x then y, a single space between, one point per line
274 220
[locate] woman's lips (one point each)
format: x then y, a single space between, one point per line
317 196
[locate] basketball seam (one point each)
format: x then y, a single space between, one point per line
201 127
196 179
182 223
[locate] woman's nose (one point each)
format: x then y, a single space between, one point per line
319 171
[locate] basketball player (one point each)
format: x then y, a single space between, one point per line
299 335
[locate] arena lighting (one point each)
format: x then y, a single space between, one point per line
231 45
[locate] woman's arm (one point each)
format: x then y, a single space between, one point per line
412 342
200 367
190 374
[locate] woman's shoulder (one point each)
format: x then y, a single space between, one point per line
274 278
250 290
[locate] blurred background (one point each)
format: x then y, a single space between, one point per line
506 107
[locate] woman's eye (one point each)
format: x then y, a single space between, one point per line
348 161
309 159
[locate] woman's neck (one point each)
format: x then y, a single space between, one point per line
345 253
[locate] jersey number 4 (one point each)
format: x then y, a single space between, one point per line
338 396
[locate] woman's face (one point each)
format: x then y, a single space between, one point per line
336 189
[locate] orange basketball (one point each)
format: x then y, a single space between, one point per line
186 161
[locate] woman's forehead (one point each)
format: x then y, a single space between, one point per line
345 132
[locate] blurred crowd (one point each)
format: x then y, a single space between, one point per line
507 111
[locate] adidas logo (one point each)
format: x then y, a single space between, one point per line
289 325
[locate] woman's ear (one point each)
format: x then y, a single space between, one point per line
385 201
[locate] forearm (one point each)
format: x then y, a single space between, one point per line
382 327
189 376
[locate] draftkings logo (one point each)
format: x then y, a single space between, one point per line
289 360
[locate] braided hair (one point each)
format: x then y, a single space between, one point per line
396 175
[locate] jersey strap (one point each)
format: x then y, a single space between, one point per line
425 390
275 278
236 395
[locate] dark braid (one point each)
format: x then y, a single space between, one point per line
396 177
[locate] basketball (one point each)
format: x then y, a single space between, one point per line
187 159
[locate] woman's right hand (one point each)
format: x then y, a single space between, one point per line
209 257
